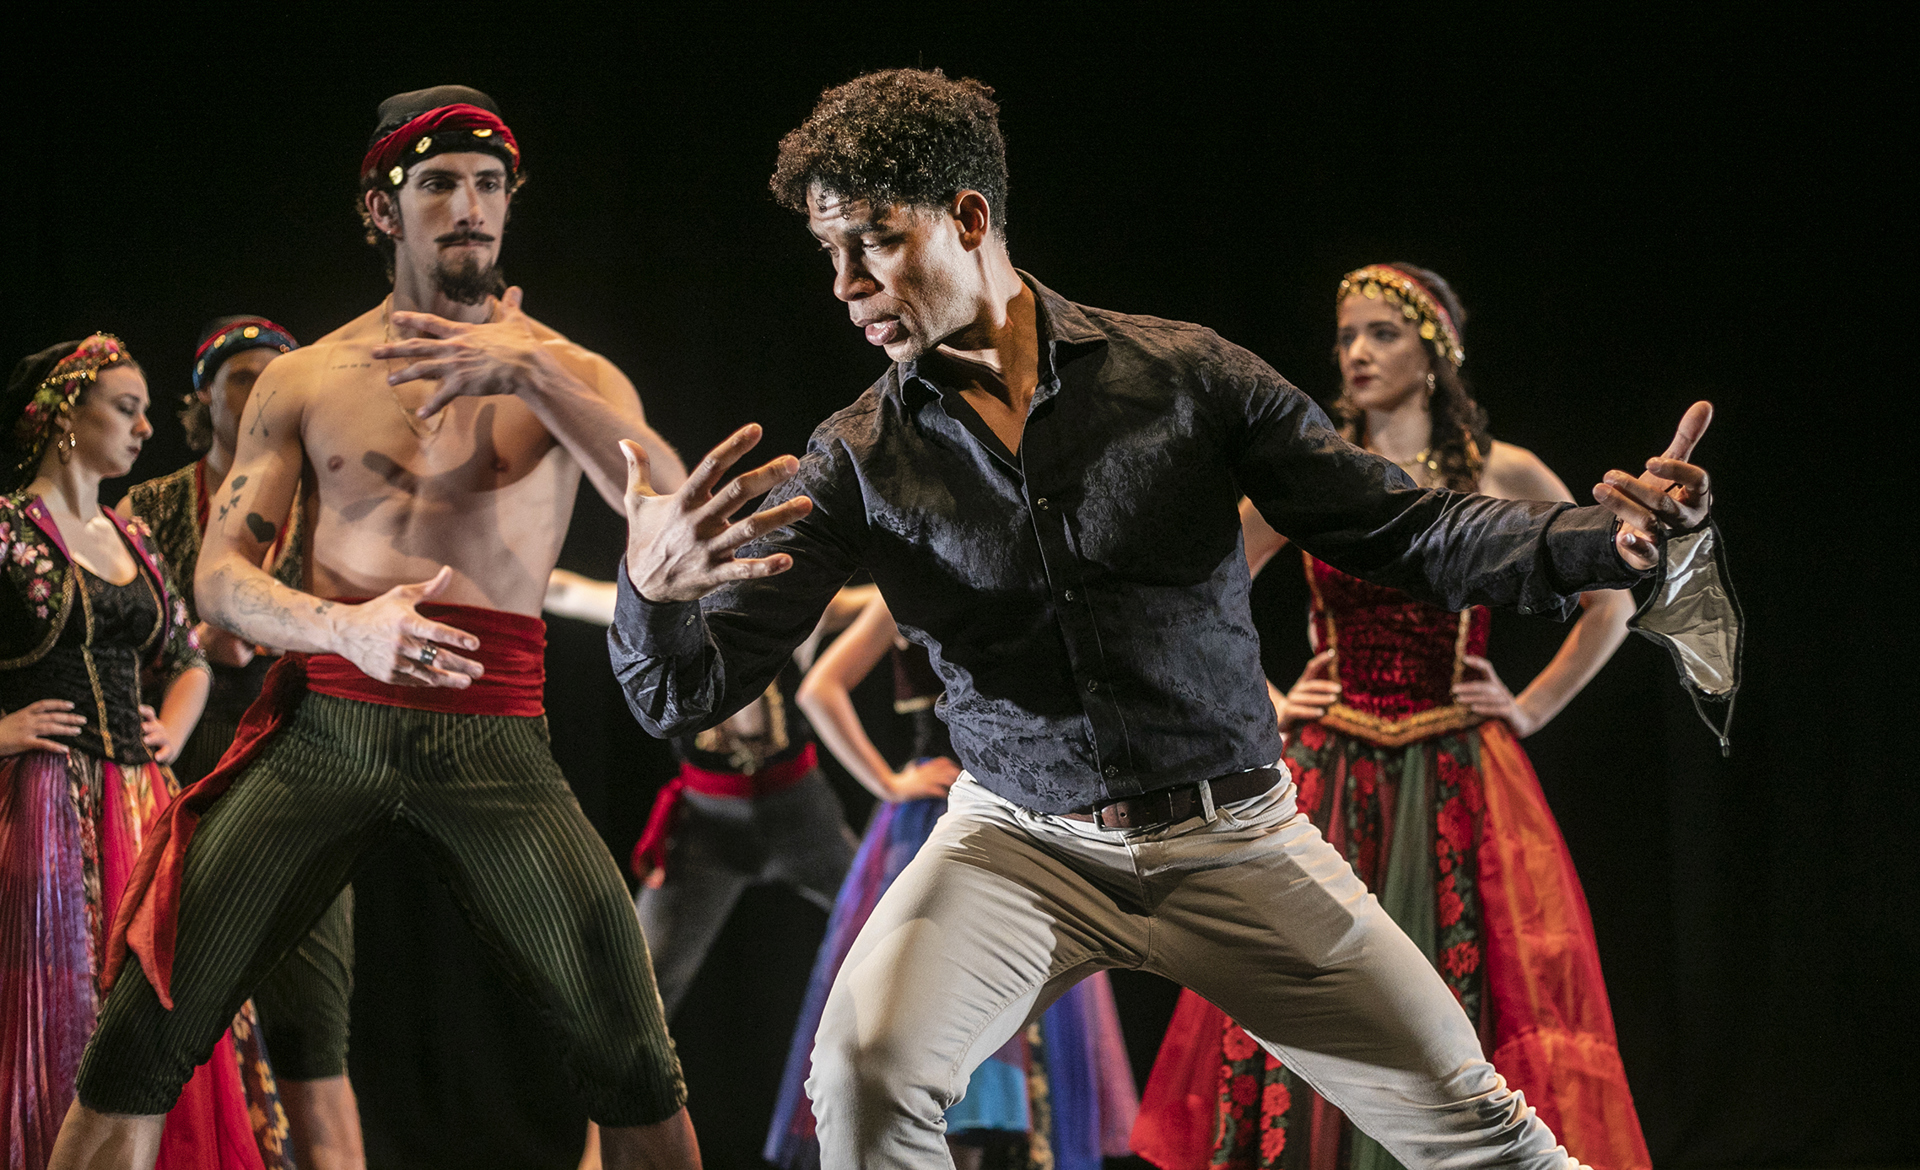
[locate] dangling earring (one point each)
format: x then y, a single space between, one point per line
1431 383
65 446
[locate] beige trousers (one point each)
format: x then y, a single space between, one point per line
1003 909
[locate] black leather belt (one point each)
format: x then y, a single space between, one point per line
1170 806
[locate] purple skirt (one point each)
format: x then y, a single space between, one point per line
1069 1074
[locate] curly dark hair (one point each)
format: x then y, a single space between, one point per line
911 136
1459 440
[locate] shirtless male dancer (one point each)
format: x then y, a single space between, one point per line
438 491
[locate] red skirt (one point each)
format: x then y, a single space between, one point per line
1455 837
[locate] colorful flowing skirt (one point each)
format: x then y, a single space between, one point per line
70 828
1064 1081
1454 836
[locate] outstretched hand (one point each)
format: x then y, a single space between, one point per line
680 547
391 642
1671 494
492 357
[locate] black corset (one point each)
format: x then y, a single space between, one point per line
113 629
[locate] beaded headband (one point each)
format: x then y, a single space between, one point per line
57 392
1415 301
246 333
457 127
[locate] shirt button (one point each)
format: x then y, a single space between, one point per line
1093 684
1068 595
1111 771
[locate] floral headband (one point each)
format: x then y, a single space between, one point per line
59 390
1415 301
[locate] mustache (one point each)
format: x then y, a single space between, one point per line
464 237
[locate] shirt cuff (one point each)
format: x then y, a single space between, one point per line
655 629
1582 555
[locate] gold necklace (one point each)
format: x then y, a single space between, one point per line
1423 459
427 434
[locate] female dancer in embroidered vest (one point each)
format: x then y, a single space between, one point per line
1404 744
1061 1092
304 1003
85 606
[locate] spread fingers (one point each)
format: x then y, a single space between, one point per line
748 485
761 523
707 473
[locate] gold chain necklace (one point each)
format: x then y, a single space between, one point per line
1423 459
424 434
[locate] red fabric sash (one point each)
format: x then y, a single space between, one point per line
650 853
512 648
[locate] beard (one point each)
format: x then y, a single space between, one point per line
467 281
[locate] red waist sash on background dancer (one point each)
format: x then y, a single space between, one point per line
650 854
513 653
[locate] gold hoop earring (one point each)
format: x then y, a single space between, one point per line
65 446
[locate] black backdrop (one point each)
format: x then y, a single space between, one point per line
1637 211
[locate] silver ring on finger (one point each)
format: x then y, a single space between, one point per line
427 654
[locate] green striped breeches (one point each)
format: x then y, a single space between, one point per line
483 796
305 1002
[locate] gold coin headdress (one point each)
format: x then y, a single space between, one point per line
1416 302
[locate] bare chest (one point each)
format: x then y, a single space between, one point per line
364 443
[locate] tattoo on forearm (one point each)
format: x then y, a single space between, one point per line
323 607
258 611
263 530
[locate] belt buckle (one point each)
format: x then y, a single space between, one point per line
1164 797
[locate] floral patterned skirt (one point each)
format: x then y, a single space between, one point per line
70 828
1454 837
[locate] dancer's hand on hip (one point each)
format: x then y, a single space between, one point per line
391 643
1312 693
28 729
1671 494
680 547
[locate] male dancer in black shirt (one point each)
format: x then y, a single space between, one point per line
1046 495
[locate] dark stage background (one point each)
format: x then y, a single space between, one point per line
1636 211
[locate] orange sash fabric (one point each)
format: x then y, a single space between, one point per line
1553 1034
512 649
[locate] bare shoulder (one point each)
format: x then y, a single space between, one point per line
583 363
1515 473
288 376
300 369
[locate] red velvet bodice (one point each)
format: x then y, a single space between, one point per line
1396 658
